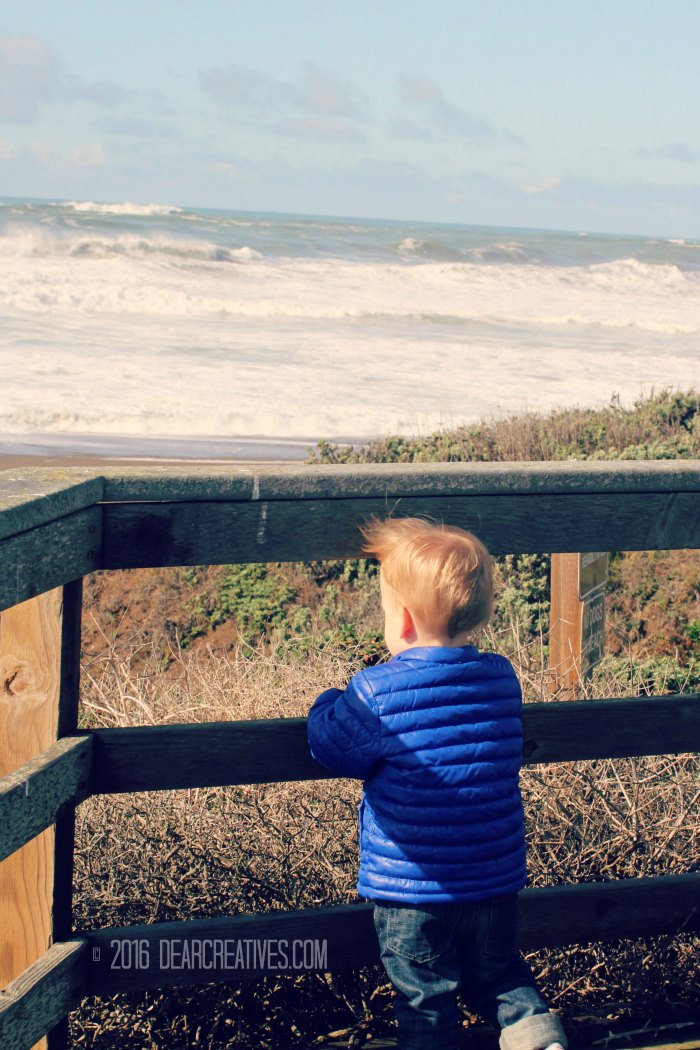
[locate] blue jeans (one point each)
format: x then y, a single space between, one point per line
431 951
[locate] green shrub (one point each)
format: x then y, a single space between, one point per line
254 596
665 425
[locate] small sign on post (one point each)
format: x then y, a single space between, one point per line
592 572
577 618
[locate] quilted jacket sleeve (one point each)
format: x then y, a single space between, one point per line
343 730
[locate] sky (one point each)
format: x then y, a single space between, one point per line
553 114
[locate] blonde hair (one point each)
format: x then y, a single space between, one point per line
443 574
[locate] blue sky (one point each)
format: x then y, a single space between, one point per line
563 114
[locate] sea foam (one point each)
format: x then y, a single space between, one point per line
38 242
122 209
148 322
159 275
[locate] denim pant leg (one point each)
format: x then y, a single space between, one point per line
500 984
419 954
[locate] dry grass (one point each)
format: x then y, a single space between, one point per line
160 856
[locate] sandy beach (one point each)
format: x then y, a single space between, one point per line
19 451
11 461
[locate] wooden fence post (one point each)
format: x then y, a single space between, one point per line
577 619
565 625
64 844
39 669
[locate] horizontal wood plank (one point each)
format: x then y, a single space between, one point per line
34 796
629 728
580 913
33 496
379 480
342 937
692 1044
41 996
209 754
210 533
203 754
49 555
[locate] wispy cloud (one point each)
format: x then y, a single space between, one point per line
32 76
89 155
550 184
45 154
408 129
597 203
318 128
315 104
242 88
425 99
134 127
680 151
324 93
101 93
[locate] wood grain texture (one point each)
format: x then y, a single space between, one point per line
392 480
30 662
32 497
49 555
591 729
691 1044
167 954
565 625
151 534
64 831
151 758
43 994
36 794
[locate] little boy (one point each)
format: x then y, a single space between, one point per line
436 736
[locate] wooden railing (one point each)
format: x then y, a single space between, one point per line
57 526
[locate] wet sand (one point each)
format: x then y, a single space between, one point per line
19 451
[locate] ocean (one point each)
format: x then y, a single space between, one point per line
140 328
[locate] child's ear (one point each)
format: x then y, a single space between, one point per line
408 625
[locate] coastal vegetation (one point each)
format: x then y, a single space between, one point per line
653 599
259 641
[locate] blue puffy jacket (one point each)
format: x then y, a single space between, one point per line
436 735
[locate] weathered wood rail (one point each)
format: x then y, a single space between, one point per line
57 526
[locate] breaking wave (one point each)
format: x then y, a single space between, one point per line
38 242
135 319
127 208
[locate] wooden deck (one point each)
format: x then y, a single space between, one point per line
58 525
